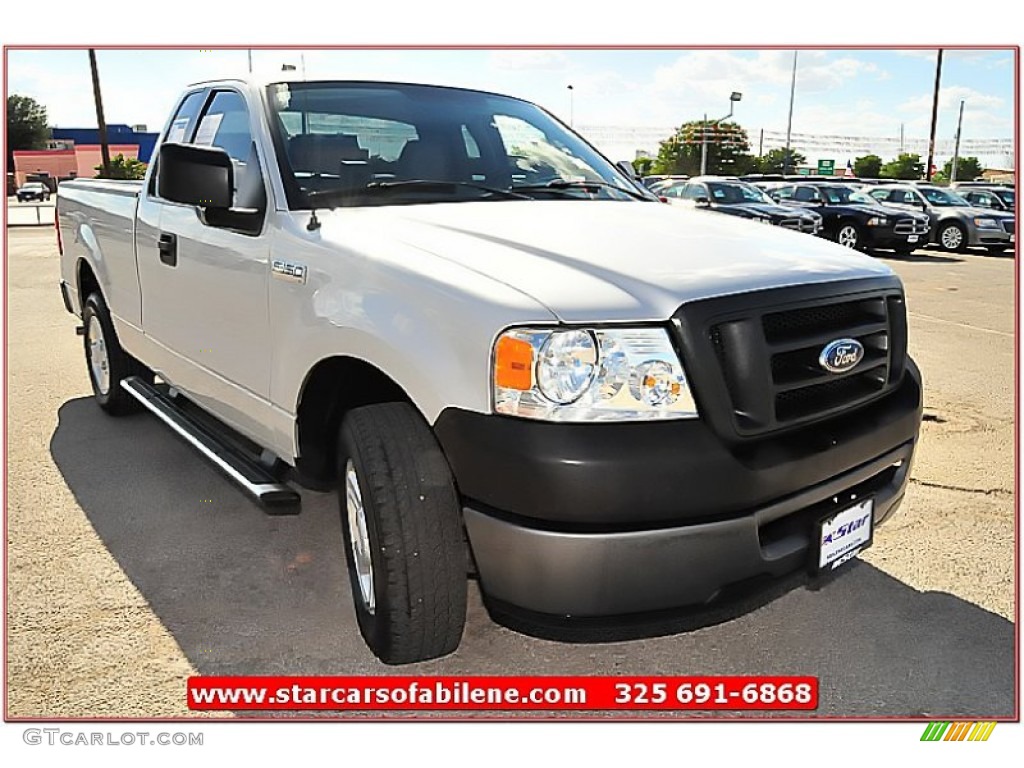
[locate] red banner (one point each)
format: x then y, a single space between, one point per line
503 693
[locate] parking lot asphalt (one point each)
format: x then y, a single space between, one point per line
133 563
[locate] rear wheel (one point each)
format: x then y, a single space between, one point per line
402 525
952 237
848 235
108 364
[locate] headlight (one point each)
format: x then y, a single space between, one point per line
877 221
622 374
985 223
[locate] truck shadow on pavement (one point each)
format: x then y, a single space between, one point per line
246 593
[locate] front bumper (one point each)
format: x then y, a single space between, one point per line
989 236
602 520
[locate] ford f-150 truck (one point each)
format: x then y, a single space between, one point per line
507 357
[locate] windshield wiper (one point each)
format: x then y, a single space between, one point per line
585 185
427 185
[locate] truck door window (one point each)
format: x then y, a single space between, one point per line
225 124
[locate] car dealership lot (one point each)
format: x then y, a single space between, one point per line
132 563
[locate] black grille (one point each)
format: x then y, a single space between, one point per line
1008 225
826 318
766 348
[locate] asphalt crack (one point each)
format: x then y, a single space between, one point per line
998 492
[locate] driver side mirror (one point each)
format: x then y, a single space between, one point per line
702 202
627 168
195 175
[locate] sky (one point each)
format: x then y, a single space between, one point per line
852 93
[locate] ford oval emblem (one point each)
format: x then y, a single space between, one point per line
841 355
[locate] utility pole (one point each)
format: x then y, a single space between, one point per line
901 138
101 123
733 98
789 123
935 115
956 148
571 109
760 144
250 60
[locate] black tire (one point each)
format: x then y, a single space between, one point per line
905 250
997 249
952 237
413 525
120 365
849 235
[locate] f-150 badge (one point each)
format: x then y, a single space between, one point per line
287 271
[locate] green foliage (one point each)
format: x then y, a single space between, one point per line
967 169
728 150
868 167
122 167
643 165
26 126
774 161
906 166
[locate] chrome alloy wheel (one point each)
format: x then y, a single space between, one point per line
360 537
847 236
952 238
99 361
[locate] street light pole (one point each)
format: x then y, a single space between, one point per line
956 149
935 116
789 123
101 123
571 106
733 98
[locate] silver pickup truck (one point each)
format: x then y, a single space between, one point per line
508 358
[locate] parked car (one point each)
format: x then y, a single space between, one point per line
855 220
955 223
651 182
33 190
997 198
737 198
450 309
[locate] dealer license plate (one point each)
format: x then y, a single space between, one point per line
911 238
844 534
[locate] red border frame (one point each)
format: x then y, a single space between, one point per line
1016 49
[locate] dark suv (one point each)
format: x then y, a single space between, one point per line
855 220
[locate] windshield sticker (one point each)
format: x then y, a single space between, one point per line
208 130
177 132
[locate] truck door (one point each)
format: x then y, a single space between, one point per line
205 292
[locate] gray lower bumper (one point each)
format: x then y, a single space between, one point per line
607 574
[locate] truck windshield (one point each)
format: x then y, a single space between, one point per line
382 143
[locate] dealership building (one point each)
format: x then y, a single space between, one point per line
75 152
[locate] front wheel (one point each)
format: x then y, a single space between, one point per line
402 525
848 235
952 237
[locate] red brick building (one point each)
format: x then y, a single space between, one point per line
79 161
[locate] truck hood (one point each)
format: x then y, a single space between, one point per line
607 261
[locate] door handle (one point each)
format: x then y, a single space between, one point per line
168 247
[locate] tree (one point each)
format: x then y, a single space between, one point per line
122 167
967 169
775 161
26 125
906 166
728 150
642 166
867 167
